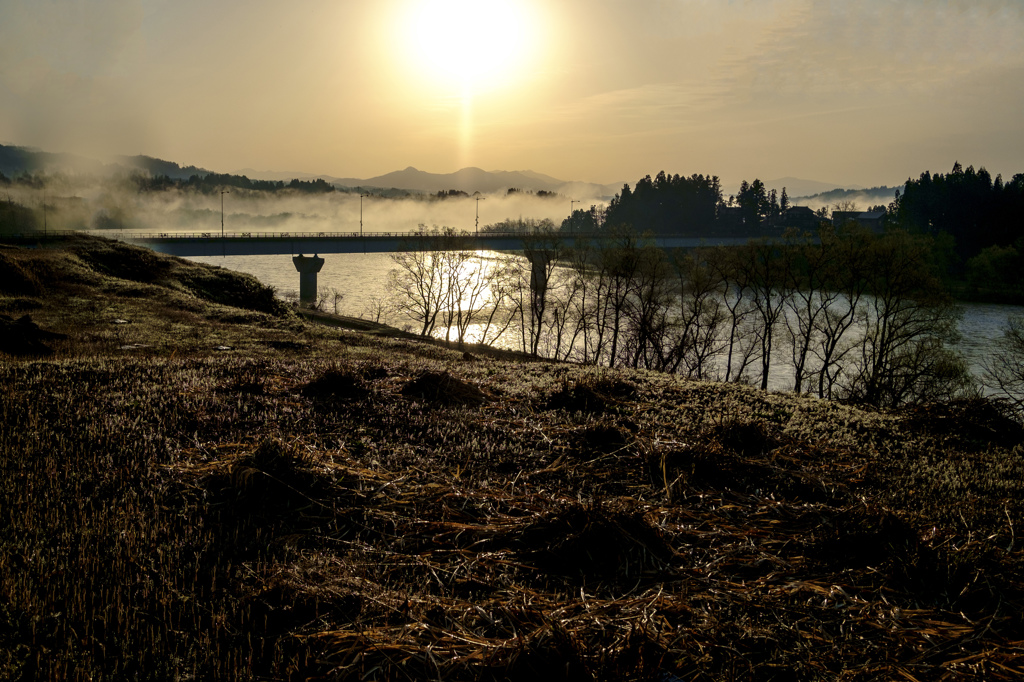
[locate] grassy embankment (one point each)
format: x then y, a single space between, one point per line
197 484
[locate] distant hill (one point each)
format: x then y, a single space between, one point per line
158 167
863 198
17 160
799 187
472 180
280 175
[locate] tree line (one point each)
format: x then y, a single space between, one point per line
977 221
846 314
210 183
692 206
973 219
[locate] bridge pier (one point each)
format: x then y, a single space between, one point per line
308 267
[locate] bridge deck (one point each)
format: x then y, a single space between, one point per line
273 243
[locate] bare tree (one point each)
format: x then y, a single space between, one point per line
1003 373
571 314
542 253
740 343
439 280
420 282
695 338
807 299
416 287
323 296
378 309
335 298
763 265
475 295
842 299
648 308
902 356
585 303
618 263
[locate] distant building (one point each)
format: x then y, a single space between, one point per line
870 220
800 217
730 220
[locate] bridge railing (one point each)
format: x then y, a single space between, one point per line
240 237
154 236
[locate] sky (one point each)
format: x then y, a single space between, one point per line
851 92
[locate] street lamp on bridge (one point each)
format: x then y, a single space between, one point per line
222 193
361 196
478 200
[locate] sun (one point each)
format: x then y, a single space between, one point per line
472 45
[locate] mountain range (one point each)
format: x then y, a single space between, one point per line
15 160
468 180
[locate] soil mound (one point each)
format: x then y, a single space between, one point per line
444 389
747 439
336 384
595 543
593 396
601 439
974 423
14 279
23 337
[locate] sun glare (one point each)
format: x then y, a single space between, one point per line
468 45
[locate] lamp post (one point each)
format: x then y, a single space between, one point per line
222 193
361 213
478 200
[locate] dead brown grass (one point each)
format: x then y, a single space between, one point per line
291 509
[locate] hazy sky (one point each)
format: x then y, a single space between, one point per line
861 92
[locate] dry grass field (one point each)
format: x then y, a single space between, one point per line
199 484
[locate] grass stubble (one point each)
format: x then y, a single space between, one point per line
199 485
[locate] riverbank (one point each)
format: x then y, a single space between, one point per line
196 489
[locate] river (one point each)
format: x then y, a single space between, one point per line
362 278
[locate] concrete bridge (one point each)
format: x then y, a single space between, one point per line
283 243
318 243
